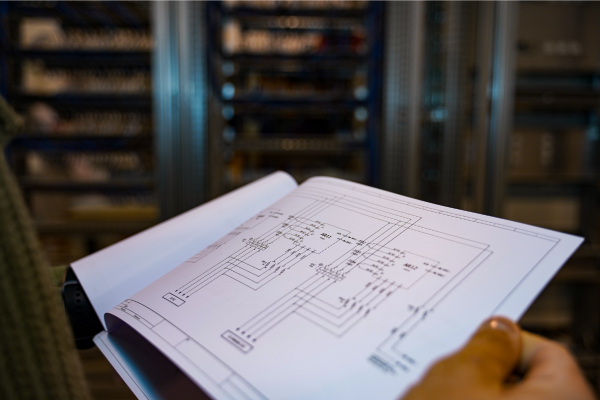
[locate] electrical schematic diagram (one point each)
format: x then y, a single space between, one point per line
346 278
359 253
253 264
389 261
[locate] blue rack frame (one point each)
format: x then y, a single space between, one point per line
335 102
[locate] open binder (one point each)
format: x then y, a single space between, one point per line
328 289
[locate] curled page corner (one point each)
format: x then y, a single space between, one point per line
112 275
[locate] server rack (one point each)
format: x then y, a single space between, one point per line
531 145
556 184
221 123
427 99
500 116
296 87
80 73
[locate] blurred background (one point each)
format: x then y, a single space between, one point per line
138 111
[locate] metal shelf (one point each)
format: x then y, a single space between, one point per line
105 14
82 142
331 70
297 12
548 189
282 101
275 108
559 80
300 58
553 181
535 99
552 120
74 58
68 185
557 90
88 100
298 145
77 227
560 91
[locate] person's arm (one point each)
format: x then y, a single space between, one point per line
485 368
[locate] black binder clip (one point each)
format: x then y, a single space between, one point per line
84 321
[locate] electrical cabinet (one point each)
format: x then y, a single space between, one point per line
79 72
295 86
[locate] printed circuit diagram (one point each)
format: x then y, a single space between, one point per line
360 254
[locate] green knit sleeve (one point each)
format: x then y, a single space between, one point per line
38 359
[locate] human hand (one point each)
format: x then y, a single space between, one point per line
485 369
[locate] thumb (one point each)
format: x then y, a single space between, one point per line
489 357
493 352
479 369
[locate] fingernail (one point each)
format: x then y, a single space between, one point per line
503 324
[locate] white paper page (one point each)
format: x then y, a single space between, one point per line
340 291
147 372
114 274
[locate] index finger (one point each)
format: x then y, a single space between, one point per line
550 371
541 356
